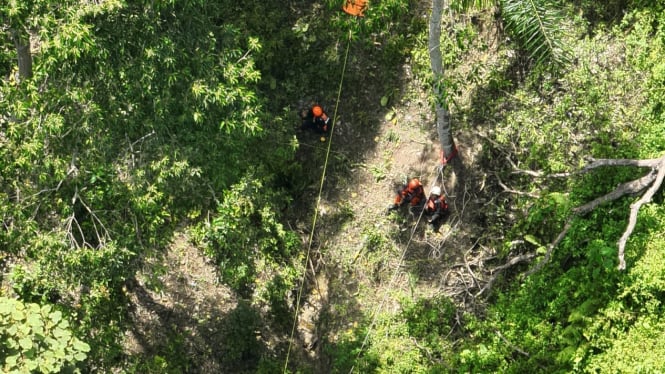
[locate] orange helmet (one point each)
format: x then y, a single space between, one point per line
317 111
414 183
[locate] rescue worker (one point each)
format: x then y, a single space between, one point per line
436 207
413 194
316 119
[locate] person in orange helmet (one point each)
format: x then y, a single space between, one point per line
315 119
413 194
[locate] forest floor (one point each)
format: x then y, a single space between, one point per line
361 259
365 259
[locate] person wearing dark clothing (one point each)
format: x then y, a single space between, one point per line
413 194
436 207
315 119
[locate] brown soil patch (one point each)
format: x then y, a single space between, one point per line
177 295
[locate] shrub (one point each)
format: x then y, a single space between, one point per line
36 338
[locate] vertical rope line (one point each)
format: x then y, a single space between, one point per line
390 285
316 209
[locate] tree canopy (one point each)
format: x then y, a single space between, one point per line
162 210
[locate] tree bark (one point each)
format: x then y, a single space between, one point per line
21 40
646 185
448 150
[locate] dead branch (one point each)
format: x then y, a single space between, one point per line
496 271
631 187
511 345
102 234
510 190
650 182
551 246
635 207
513 261
468 268
594 164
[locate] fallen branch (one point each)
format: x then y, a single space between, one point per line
635 207
513 261
510 190
650 182
594 164
511 345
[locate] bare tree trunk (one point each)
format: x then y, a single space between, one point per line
22 43
448 148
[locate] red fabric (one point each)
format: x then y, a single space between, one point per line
413 196
444 159
432 203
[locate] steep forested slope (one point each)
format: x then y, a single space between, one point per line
162 212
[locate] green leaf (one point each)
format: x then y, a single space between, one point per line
384 100
11 343
536 26
55 317
25 343
58 332
80 356
18 315
81 346
6 306
11 360
34 320
31 365
531 239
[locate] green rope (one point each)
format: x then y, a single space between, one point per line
316 210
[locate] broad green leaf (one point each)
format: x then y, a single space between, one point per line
58 332
384 100
12 343
34 320
81 346
531 239
25 343
11 360
31 365
55 317
6 306
18 315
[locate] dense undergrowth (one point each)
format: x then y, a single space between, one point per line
144 119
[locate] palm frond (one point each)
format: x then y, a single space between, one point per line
462 6
537 28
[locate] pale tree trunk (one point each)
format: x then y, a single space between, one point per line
22 43
448 148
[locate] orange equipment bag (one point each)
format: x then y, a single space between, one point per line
355 7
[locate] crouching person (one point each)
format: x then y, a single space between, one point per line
436 208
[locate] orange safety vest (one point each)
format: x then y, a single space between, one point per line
410 195
436 204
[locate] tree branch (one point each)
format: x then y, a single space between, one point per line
631 187
634 209
513 261
511 345
594 164
653 180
